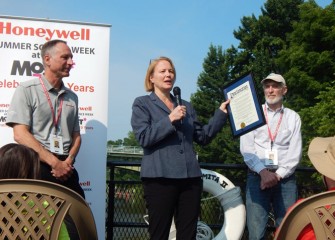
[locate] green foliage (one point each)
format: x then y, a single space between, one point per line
262 39
127 141
319 119
290 37
308 61
117 142
218 69
130 140
309 65
210 204
126 174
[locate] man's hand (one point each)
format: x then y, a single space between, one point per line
62 170
268 179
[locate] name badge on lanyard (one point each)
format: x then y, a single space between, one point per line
56 141
271 158
271 155
56 144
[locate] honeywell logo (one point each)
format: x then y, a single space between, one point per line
47 33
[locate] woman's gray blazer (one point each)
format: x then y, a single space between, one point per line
168 148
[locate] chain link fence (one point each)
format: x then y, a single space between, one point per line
126 211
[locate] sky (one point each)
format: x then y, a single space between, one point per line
182 30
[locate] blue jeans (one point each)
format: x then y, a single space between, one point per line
260 202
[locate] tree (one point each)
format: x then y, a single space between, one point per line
131 140
260 42
309 59
293 38
218 71
319 119
262 39
309 65
117 142
321 116
127 141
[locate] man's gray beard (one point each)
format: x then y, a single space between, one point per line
274 101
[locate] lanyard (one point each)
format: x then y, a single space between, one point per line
273 137
55 120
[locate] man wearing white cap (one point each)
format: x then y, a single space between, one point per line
272 153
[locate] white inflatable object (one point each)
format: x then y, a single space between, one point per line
231 201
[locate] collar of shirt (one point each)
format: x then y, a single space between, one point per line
278 110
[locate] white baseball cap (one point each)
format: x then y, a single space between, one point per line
275 77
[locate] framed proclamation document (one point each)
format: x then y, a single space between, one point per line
244 110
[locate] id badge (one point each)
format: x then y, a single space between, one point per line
271 158
56 144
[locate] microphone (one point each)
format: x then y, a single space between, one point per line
176 93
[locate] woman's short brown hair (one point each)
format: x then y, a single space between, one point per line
148 85
19 161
